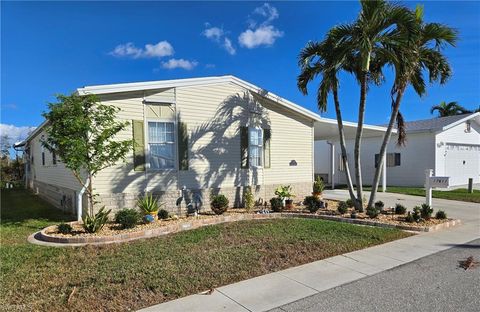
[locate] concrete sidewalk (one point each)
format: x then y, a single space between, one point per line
276 289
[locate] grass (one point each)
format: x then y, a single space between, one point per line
138 274
460 194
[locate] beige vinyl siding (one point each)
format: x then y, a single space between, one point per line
52 174
213 115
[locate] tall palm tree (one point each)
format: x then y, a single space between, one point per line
375 28
449 109
410 62
322 59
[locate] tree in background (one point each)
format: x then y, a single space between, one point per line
449 109
422 54
81 131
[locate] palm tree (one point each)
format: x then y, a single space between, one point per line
322 59
449 109
365 39
410 61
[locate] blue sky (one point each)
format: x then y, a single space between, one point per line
56 47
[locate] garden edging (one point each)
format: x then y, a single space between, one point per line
45 239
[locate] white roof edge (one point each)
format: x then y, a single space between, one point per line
453 124
354 124
35 131
163 84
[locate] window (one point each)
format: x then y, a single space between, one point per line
393 159
468 128
255 146
161 144
43 158
54 158
341 166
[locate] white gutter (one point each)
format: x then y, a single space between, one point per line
80 200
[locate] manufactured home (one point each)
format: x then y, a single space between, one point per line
194 136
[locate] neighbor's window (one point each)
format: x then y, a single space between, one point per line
255 146
54 158
393 159
161 142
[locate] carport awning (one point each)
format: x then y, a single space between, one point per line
327 129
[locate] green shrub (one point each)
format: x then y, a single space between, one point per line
426 211
93 224
284 192
163 214
379 205
248 199
409 218
417 216
342 207
148 204
400 209
350 203
219 203
276 204
312 203
372 212
441 214
127 217
64 228
318 185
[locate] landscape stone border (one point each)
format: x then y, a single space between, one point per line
42 238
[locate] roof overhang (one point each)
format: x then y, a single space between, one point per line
327 129
474 116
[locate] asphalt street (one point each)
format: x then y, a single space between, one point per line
432 283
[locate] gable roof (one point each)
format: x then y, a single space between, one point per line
439 123
165 84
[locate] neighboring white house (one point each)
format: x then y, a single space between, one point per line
199 134
448 145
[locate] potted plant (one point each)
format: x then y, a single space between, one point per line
318 187
285 194
149 205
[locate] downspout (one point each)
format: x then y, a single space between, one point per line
80 200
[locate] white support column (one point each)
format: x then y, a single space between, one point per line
332 164
384 173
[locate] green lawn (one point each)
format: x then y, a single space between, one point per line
138 274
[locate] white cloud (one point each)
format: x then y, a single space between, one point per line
267 11
161 49
227 45
209 65
14 133
213 33
261 34
264 35
217 35
179 63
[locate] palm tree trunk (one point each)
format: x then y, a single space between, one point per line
358 139
342 145
383 148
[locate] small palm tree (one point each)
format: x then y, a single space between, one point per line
410 61
449 109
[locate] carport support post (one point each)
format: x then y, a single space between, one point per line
332 165
384 173
428 188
